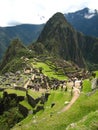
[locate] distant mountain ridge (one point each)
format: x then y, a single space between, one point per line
85 21
25 32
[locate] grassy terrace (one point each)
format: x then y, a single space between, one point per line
18 92
49 71
26 104
34 94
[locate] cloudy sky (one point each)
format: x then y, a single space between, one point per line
14 12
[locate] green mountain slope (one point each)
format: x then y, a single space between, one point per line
50 119
27 33
12 59
61 39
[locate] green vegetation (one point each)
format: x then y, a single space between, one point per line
89 122
57 53
96 73
9 112
26 104
49 71
86 85
17 92
13 65
10 118
57 97
34 94
49 119
1 94
12 59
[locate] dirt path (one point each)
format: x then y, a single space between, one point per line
76 93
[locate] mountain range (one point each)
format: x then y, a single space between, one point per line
84 21
25 32
60 40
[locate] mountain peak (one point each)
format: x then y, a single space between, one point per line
59 39
58 17
56 22
90 13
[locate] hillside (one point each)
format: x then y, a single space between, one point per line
50 119
47 116
12 59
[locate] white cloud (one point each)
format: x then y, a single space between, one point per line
34 11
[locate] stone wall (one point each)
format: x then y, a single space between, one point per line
32 101
23 110
20 88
